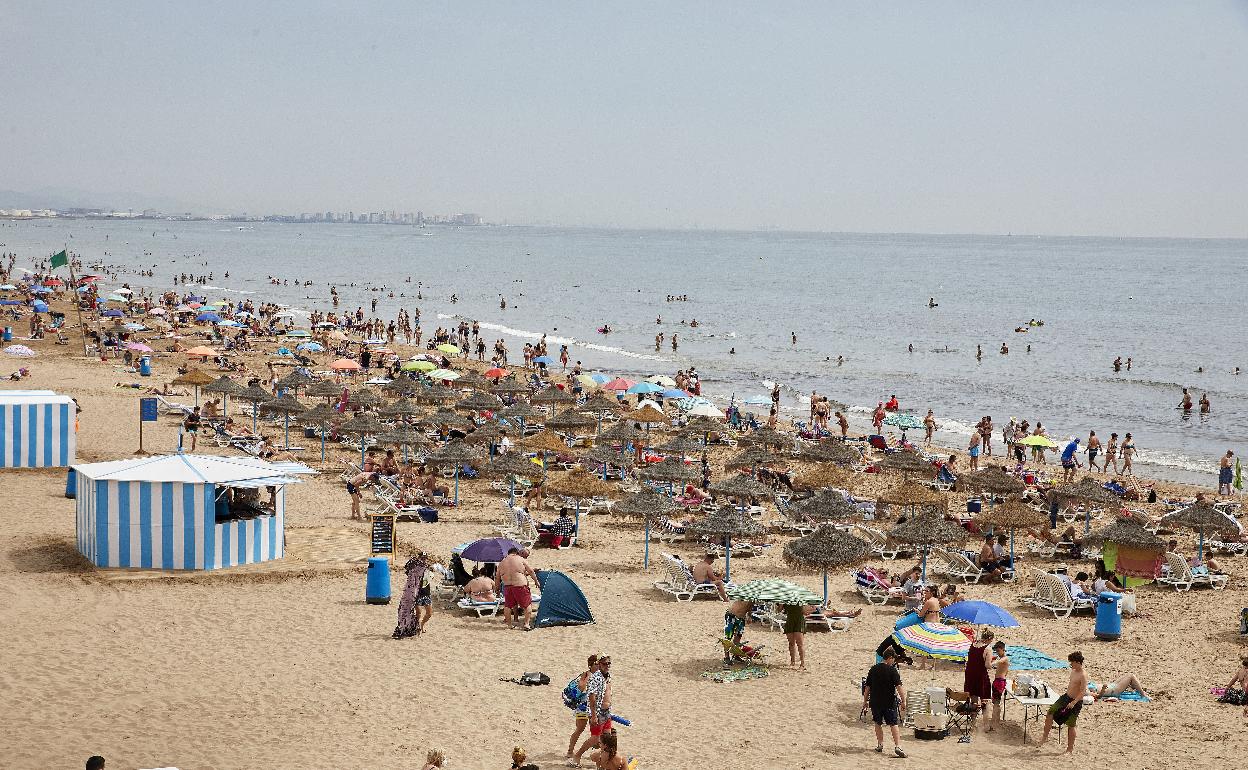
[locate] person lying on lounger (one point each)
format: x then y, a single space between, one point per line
1122 684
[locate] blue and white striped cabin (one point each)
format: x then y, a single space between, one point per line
36 429
172 512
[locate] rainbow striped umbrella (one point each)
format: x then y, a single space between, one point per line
934 640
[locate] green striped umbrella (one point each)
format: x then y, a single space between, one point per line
773 591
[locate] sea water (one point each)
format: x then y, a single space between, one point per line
1172 305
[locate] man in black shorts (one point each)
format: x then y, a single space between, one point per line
1066 710
882 692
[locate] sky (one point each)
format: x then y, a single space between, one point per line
1107 118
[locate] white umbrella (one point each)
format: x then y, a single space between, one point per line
706 410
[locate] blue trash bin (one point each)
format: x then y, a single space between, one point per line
1109 617
8 334
377 586
71 484
145 366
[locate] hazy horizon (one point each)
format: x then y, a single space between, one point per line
1118 119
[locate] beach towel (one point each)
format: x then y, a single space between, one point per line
1130 696
735 675
1024 658
1139 563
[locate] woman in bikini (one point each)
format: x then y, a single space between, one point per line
1128 453
1111 454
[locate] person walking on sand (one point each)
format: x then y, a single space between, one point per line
929 427
843 424
973 450
598 687
882 692
795 632
1066 710
1226 474
1094 448
1128 454
1111 454
580 699
512 580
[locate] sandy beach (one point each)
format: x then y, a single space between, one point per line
284 665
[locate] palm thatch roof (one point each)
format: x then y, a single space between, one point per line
646 504
479 402
400 408
753 456
470 379
509 385
830 451
598 403
325 389
546 441
283 405
927 527
571 421
766 437
321 414
727 522
701 425
739 485
1012 514
908 493
646 414
906 463
194 377
402 387
296 380
681 446
992 480
363 399
671 469
579 485
223 385
826 548
364 424
443 417
608 455
1201 517
485 433
1089 490
623 432
501 466
405 435
823 506
453 453
823 476
434 394
552 395
1127 531
254 394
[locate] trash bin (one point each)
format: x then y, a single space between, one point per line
145 366
8 334
71 484
377 586
1108 617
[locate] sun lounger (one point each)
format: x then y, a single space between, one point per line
874 589
679 581
171 407
1053 595
1182 576
880 544
487 609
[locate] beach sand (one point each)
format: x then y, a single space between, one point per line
288 667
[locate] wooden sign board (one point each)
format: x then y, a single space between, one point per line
381 534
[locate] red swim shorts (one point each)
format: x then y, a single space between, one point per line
517 596
600 728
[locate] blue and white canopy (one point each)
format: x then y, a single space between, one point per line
241 471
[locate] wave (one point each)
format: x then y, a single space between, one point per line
554 339
223 288
1175 460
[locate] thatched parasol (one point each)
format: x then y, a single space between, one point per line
194 377
1091 493
285 406
509 385
455 453
906 463
521 410
502 466
741 486
598 403
479 402
401 408
607 455
823 506
1012 515
296 380
754 457
405 435
681 446
725 524
925 529
256 395
364 424
224 385
830 451
444 417
363 399
402 387
487 433
579 485
647 504
570 421
434 394
911 495
1202 517
647 414
672 470
552 396
701 425
323 389
545 441
993 481
1126 530
319 415
624 432
471 379
766 437
824 476
826 548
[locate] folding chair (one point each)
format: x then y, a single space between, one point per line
961 714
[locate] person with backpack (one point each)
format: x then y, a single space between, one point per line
576 697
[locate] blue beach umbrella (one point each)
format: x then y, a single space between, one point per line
547 360
676 393
310 347
209 317
599 378
980 613
40 306
9 302
112 314
644 387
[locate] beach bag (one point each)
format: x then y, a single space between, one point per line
1234 697
572 695
534 679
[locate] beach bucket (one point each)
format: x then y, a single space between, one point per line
71 484
377 585
1108 617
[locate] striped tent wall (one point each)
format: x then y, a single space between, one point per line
170 525
37 433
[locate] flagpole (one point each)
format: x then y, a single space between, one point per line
73 291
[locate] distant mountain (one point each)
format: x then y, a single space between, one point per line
68 198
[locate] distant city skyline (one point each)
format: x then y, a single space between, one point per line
1112 118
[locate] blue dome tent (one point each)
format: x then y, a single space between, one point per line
562 604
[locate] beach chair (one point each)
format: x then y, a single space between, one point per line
918 704
874 589
960 713
957 565
488 609
833 623
171 407
880 544
682 585
1056 598
1182 576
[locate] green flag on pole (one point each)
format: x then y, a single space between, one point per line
59 259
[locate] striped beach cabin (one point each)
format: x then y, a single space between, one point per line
36 429
183 512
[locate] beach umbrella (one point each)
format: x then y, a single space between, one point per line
619 383
934 640
544 442
647 414
644 388
323 389
138 347
434 394
295 381
724 524
520 411
753 457
1202 517
1090 492
323 417
767 437
906 463
829 451
578 485
509 466
623 432
980 613
552 396
606 456
822 476
201 351
772 591
19 351
363 425
706 409
401 409
700 425
39 306
449 349
495 372
647 505
925 529
310 347
681 445
441 375
256 395
455 453
226 387
486 433
489 550
196 379
544 360
418 366
363 400
112 313
1012 515
739 486
285 406
405 436
445 418
207 318
345 365
570 421
825 549
600 405
587 382
910 495
401 387
903 422
663 380
1040 441
758 399
135 327
993 481
672 470
676 394
479 402
470 379
508 386
824 506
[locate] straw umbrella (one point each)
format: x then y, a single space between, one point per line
363 400
767 437
1202 517
363 425
473 381
196 379
445 418
646 415
623 431
454 453
509 386
434 394
752 458
992 480
826 548
703 425
543 443
725 524
910 496
599 405
510 466
823 507
739 486
226 387
293 381
321 416
406 436
521 410
1128 531
401 387
647 505
400 410
286 406
607 456
681 446
823 476
578 485
477 401
487 433
569 421
672 470
926 529
1090 492
829 451
1012 515
256 395
906 463
327 389
552 396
